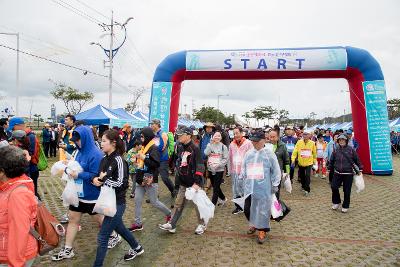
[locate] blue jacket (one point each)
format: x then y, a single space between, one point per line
160 143
330 148
89 157
204 142
46 135
290 142
65 137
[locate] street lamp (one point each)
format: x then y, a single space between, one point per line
17 84
218 96
344 110
111 52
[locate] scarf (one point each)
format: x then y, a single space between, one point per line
143 151
239 143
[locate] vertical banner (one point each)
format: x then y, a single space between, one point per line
160 103
378 126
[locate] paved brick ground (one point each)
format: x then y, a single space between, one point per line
311 235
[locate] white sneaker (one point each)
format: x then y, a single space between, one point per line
113 241
221 202
316 175
335 206
64 253
200 229
167 227
344 210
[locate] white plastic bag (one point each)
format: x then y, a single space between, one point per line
287 183
205 206
70 194
276 209
106 203
58 168
359 181
315 166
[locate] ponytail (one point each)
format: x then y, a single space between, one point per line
113 136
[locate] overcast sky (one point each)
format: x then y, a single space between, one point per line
163 27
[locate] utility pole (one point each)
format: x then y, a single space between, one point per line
111 52
110 60
17 75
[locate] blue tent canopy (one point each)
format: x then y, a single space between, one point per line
97 115
141 115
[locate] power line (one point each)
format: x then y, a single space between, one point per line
53 61
95 10
77 11
140 56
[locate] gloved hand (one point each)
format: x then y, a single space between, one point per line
274 189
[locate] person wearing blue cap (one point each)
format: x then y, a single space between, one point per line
15 124
352 142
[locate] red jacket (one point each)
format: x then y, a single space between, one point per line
18 210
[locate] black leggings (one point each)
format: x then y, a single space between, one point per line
35 177
216 180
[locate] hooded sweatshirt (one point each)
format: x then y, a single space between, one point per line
89 157
152 160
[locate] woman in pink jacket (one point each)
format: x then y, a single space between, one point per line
237 149
18 209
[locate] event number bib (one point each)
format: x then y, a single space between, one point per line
255 171
290 147
79 187
305 153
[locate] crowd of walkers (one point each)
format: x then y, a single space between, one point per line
257 162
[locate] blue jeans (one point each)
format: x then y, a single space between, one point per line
110 224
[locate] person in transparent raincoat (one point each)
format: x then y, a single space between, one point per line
262 175
237 150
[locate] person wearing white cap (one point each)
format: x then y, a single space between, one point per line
306 154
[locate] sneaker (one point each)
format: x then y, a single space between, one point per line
344 210
251 230
132 195
132 253
221 202
168 218
65 253
113 241
261 237
64 219
316 175
323 177
167 227
335 206
147 200
306 193
237 210
228 175
200 229
136 227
